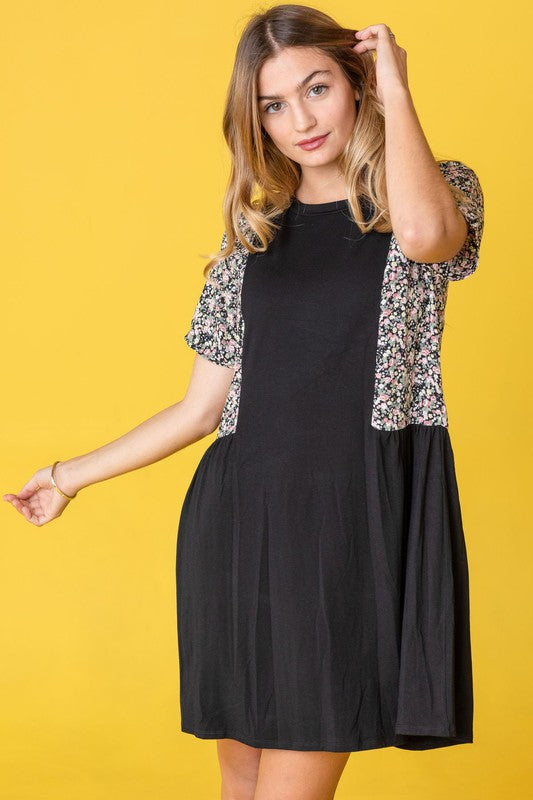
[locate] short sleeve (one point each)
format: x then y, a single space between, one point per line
214 330
466 260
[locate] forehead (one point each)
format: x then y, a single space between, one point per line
280 74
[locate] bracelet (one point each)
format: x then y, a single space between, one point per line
54 484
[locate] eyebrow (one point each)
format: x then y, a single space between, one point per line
298 85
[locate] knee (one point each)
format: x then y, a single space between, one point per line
239 765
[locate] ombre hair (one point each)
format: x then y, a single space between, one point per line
262 179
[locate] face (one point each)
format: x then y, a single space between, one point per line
304 94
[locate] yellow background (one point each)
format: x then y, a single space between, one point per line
113 172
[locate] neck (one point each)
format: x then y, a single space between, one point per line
321 185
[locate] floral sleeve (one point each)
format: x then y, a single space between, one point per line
466 260
214 331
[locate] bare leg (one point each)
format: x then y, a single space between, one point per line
239 764
299 774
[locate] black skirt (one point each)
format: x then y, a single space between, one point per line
321 567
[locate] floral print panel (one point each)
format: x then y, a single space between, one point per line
408 382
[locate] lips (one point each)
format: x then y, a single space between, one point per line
313 144
314 139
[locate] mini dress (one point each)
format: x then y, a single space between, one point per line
322 579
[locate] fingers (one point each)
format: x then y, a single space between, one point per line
28 489
30 515
17 501
30 509
22 508
370 36
364 47
33 513
18 504
37 519
373 30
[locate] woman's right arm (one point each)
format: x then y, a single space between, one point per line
195 416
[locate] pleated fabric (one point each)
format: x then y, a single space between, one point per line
321 567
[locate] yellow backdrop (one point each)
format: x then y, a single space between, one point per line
113 173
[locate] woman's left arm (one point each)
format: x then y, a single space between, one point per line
424 215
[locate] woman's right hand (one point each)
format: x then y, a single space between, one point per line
38 501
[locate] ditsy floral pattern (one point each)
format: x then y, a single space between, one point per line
408 385
408 382
217 326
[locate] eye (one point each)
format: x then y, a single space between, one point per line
270 106
316 86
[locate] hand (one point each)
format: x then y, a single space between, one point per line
391 60
38 500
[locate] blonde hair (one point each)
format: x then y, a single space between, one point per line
262 179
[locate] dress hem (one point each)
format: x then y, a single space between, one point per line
334 747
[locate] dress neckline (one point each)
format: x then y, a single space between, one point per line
319 208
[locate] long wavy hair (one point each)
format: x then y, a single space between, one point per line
262 179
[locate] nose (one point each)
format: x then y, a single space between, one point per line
303 119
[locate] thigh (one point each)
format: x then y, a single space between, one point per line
299 774
239 765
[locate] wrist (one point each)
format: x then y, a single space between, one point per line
65 477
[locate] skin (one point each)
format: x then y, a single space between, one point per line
425 219
250 773
416 190
289 115
189 420
325 105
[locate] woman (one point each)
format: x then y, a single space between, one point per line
322 577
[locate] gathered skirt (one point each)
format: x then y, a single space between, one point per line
327 611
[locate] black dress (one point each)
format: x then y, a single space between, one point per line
321 572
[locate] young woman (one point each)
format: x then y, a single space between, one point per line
322 577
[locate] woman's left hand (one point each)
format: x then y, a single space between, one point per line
391 60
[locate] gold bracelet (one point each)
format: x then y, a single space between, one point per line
54 484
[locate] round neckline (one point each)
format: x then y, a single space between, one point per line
319 208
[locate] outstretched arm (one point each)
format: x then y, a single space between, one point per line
168 431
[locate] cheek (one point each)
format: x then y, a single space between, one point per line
346 114
337 112
277 130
